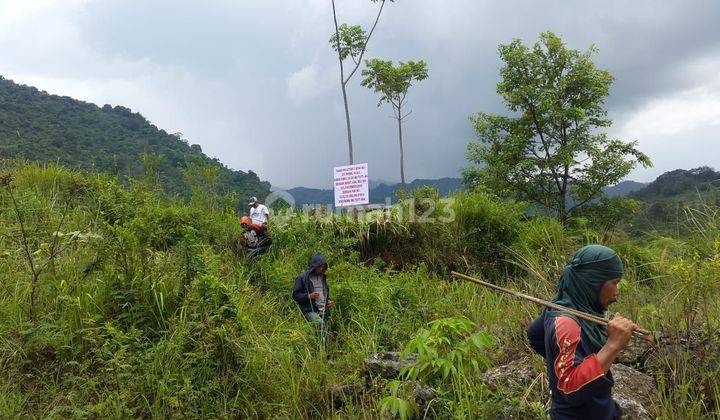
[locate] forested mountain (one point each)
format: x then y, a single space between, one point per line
37 126
680 183
379 191
669 196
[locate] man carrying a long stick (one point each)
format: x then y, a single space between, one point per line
579 353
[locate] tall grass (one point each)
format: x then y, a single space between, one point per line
146 307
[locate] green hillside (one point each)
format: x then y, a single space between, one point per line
37 126
680 184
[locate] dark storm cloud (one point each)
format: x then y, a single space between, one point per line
256 84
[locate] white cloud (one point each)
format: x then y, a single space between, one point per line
43 47
679 112
680 129
19 10
307 84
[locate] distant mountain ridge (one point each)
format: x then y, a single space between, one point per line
37 126
680 183
379 191
445 186
624 188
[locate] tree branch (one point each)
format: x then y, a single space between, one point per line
540 133
367 40
545 145
337 43
582 203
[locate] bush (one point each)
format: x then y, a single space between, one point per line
609 213
487 226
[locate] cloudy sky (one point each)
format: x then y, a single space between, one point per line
256 83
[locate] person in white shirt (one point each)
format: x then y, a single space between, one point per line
258 212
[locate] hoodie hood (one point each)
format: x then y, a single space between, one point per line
317 260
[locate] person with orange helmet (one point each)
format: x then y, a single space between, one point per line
254 238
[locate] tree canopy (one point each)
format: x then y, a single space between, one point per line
552 150
392 83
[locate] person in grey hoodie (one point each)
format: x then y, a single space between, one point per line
312 293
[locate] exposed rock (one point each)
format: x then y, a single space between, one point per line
344 392
423 394
631 409
634 391
519 373
633 384
519 378
635 353
387 365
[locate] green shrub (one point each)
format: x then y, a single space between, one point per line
487 226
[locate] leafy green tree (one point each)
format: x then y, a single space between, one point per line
608 213
392 83
202 177
351 41
551 151
151 164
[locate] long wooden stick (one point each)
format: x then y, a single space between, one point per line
637 333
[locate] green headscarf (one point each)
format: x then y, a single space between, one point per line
579 287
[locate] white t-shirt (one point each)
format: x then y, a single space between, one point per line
259 214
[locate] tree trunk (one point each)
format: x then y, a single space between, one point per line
347 122
342 86
402 154
562 208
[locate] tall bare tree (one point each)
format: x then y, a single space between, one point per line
392 83
351 41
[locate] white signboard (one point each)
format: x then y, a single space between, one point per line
351 185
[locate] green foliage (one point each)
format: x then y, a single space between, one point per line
448 351
680 182
552 151
352 41
451 354
392 82
202 178
487 226
442 233
608 213
541 250
109 139
400 403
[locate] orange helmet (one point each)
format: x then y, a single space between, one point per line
245 220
